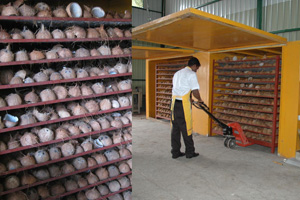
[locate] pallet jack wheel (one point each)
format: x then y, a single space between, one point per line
231 143
226 141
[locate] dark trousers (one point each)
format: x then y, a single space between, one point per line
179 126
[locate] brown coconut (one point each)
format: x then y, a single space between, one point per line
27 160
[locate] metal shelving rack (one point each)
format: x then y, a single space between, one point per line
63 23
163 88
248 92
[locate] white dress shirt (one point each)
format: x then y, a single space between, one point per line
184 80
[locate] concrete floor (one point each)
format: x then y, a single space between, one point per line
218 173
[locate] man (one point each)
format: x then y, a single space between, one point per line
184 83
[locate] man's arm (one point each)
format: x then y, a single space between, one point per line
196 94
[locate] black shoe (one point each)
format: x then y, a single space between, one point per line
178 155
193 155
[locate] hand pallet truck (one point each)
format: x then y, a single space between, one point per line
232 132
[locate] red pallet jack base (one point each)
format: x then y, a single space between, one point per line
239 135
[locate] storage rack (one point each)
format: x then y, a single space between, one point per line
163 88
62 23
248 92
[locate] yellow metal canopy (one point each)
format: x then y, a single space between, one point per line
141 52
199 30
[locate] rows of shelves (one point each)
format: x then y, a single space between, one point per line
100 61
248 92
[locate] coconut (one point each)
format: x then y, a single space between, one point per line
112 87
27 179
124 101
42 6
128 115
82 182
92 194
2 102
32 194
111 155
127 136
41 156
98 88
127 33
71 185
124 85
47 95
27 118
95 70
113 171
127 50
13 164
117 50
86 90
64 53
36 55
55 153
61 133
95 125
100 158
58 34
117 138
21 73
67 149
78 32
124 152
121 68
9 10
115 103
54 170
111 33
104 50
82 52
102 32
74 91
74 10
6 55
43 191
124 120
105 104
83 127
41 174
103 189
19 195
68 73
92 178
3 146
91 162
91 106
60 12
13 143
60 91
79 110
28 139
13 100
87 145
79 163
44 13
26 10
6 76
45 135
27 34
82 73
11 182
55 76
94 52
79 149
104 122
51 55
67 168
28 80
118 32
105 140
40 116
117 16
81 196
114 186
57 189
69 33
40 77
53 115
116 197
4 35
43 33
124 167
73 130
102 173
92 33
124 182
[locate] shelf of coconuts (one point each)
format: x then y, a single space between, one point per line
245 102
67 20
245 68
8 151
63 60
62 40
246 88
246 95
64 81
94 185
234 114
165 107
42 103
63 158
246 81
4 130
70 174
169 112
160 97
256 125
249 60
163 102
245 109
163 83
245 74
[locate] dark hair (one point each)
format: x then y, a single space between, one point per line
193 61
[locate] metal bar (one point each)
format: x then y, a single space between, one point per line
234 114
206 4
246 95
247 68
275 105
245 102
8 151
228 62
147 9
63 119
246 109
163 8
228 81
243 88
243 74
285 30
62 40
62 60
259 14
63 158
246 123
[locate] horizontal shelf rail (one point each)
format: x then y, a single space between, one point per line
245 102
246 95
270 112
234 114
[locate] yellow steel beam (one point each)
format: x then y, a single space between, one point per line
271 51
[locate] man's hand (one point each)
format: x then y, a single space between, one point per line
197 95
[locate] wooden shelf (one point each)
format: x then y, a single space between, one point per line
28 62
8 151
63 119
62 159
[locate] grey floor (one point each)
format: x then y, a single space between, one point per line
218 173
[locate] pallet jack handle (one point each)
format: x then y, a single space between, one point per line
205 108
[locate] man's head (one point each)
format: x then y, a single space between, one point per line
194 64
